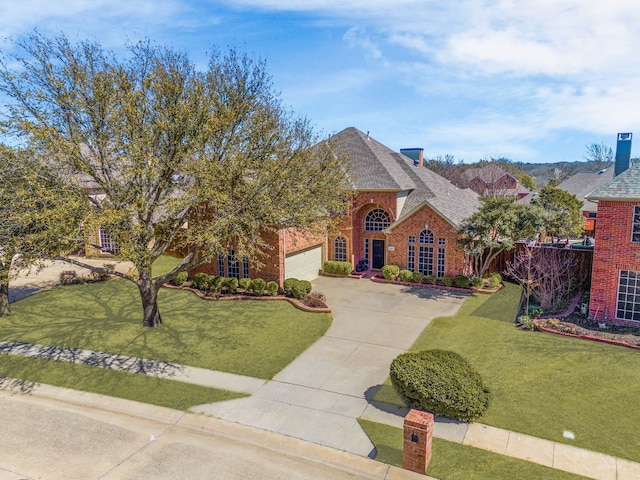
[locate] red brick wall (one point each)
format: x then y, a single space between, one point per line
363 204
613 252
454 256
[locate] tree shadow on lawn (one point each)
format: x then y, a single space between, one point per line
94 359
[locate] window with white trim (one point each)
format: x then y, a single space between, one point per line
245 267
426 237
441 258
628 307
411 257
635 226
376 220
220 265
340 249
425 260
233 268
108 244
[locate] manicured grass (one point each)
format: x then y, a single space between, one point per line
254 338
166 393
543 384
453 461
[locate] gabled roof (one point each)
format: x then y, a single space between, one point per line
377 167
373 166
489 174
584 183
624 187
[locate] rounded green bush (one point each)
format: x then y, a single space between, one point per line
244 283
447 281
272 288
430 279
180 278
257 286
390 272
201 280
462 281
406 275
288 285
477 282
440 382
231 284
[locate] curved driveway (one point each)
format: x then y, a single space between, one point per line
319 396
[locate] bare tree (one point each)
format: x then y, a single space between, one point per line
550 275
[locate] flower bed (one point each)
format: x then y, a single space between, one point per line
299 304
575 326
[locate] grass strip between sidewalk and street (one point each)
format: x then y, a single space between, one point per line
542 384
453 461
162 392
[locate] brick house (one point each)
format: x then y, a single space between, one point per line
493 180
402 214
615 286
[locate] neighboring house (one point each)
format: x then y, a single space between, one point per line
493 180
403 214
615 286
583 183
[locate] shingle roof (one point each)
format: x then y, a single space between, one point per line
625 186
488 174
373 166
583 183
377 167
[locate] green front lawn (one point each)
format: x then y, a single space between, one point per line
543 384
452 461
254 338
162 392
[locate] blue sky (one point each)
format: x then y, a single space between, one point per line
530 80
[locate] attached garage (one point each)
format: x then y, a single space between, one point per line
303 265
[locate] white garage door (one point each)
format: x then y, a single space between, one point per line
303 265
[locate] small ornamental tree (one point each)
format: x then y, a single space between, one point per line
562 217
495 228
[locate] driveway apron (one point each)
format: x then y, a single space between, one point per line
319 396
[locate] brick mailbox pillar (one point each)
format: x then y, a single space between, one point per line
418 430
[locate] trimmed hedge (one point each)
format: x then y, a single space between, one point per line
440 382
337 268
417 277
477 282
390 272
231 284
447 281
244 283
430 279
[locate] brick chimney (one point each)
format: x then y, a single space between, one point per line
623 153
416 154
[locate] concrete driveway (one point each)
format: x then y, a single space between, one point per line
319 396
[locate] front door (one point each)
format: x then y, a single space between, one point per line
377 259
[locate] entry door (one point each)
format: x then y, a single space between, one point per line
377 259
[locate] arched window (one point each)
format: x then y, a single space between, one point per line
340 249
426 237
376 220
